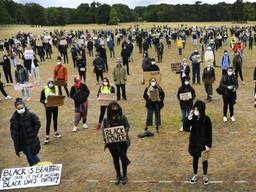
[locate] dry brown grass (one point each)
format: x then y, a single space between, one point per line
163 157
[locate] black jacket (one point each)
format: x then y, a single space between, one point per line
6 64
21 75
254 74
98 64
25 126
208 74
229 95
186 89
125 53
151 104
120 120
184 70
153 68
200 134
81 64
79 95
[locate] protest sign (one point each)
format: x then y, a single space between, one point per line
115 134
176 67
63 42
26 177
105 99
147 75
55 101
29 54
185 96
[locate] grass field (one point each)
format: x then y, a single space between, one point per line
162 157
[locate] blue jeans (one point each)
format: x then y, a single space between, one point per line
32 159
184 114
180 51
196 72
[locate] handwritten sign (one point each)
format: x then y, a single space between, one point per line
115 134
105 99
147 75
26 177
176 67
29 54
185 96
55 101
154 95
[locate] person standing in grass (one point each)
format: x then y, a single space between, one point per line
200 139
3 91
118 150
208 79
79 93
50 89
24 126
105 88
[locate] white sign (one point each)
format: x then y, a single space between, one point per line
115 134
29 54
26 177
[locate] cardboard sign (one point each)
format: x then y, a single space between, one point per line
81 42
154 95
114 134
19 87
63 42
26 177
61 83
105 99
147 75
176 67
185 96
205 155
29 54
55 101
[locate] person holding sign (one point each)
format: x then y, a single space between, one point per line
81 64
154 97
208 79
50 89
195 57
98 64
104 89
120 78
22 78
200 139
24 126
185 70
229 86
186 95
79 93
116 126
60 74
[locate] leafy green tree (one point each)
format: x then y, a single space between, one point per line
249 12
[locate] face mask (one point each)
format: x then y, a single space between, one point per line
105 83
153 84
78 84
5 58
230 73
196 113
225 53
115 112
50 85
21 111
186 82
58 63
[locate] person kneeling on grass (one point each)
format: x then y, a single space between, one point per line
200 139
50 89
79 93
118 150
24 127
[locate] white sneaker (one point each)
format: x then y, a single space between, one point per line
205 180
28 99
233 119
8 97
194 179
181 129
85 126
225 119
74 129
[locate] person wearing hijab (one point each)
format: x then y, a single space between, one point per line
24 126
50 89
154 97
118 150
200 139
186 103
79 93
229 86
105 88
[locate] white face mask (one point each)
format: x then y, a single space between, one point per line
186 82
21 111
226 53
196 113
58 63
153 84
5 58
105 83
230 73
50 85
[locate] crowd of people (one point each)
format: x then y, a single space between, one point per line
25 47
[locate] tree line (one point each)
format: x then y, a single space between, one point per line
34 14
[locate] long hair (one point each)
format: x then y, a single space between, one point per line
110 109
200 105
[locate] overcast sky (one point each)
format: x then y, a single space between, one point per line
130 3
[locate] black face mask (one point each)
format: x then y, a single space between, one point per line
114 112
